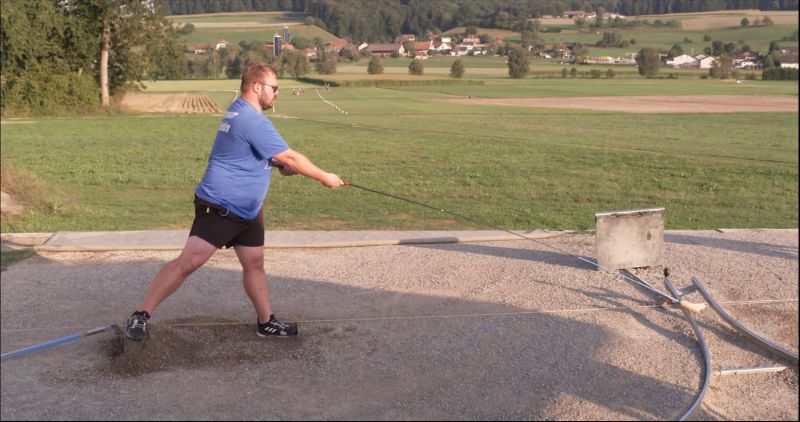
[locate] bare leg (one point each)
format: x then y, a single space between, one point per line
195 253
255 279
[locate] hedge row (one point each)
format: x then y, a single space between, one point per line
367 83
779 74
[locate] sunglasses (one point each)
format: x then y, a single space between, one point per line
274 87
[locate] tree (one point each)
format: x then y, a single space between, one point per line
745 22
564 72
295 62
309 20
573 72
131 33
767 21
119 42
301 43
375 66
415 68
471 30
518 66
648 60
186 29
610 39
457 69
706 38
757 21
410 48
610 73
676 50
326 62
721 68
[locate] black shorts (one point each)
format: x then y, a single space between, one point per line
220 227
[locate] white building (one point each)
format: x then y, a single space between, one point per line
705 61
684 60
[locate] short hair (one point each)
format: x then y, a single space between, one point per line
254 73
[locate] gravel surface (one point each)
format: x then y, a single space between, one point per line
494 330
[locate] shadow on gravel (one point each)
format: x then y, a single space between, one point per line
765 249
376 361
547 257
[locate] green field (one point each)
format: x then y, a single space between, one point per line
514 167
511 166
249 26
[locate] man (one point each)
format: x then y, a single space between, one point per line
229 200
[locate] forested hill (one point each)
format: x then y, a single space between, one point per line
382 20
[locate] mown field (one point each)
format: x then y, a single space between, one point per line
514 167
246 26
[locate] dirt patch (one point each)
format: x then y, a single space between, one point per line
9 206
186 103
14 122
652 104
716 22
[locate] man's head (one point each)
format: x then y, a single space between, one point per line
260 85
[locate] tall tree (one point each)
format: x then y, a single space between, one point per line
457 69
518 65
375 66
648 61
135 37
415 68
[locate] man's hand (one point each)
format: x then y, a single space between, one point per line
331 180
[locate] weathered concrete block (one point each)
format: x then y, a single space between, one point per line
630 239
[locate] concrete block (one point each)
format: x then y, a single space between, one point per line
630 239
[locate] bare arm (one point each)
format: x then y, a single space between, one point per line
299 163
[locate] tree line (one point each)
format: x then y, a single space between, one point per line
75 54
382 20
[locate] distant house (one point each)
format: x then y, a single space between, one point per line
221 44
705 62
201 48
470 41
362 46
470 45
746 60
386 49
421 48
310 52
684 60
442 45
788 57
337 44
405 37
572 14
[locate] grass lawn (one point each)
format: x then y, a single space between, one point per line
510 166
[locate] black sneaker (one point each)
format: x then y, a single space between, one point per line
275 328
136 328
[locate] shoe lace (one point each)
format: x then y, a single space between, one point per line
138 322
278 324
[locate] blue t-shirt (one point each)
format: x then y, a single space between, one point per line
239 169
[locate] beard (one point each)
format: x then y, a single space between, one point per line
265 105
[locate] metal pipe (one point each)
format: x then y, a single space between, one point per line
706 356
749 334
744 371
52 343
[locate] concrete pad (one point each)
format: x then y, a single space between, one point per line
165 240
487 330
